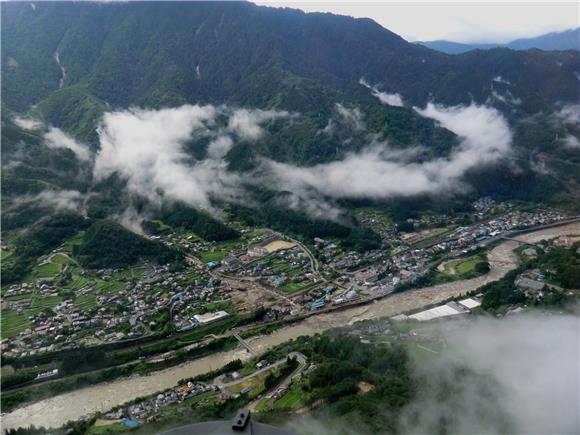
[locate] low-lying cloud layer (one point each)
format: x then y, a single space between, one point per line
524 379
147 149
151 151
378 172
54 137
384 97
247 123
516 375
27 123
59 200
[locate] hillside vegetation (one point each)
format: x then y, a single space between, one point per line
107 244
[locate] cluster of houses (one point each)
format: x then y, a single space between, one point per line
125 313
464 239
487 206
148 409
131 311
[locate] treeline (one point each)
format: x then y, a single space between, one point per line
502 292
343 362
285 220
274 377
40 239
199 222
107 244
18 378
560 264
564 264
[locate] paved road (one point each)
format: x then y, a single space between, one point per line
56 411
301 358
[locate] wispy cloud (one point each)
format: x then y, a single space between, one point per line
384 97
380 172
246 123
570 114
571 142
56 138
27 123
146 148
59 200
352 117
510 385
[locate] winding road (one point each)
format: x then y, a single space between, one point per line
55 411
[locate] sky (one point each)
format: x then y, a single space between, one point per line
466 21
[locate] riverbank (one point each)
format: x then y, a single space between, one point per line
56 411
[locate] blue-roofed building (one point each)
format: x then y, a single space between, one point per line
317 304
130 423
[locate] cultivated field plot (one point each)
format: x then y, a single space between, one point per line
252 383
462 267
16 320
279 245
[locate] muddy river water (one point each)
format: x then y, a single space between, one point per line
56 411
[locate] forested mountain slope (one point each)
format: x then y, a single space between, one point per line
283 118
160 53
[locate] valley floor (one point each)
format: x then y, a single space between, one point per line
55 411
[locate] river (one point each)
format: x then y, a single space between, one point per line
55 411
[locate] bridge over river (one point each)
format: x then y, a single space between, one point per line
55 411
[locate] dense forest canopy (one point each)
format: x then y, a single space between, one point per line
313 89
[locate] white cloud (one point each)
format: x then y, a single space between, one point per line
379 172
27 123
484 132
60 200
219 147
369 174
500 79
384 97
310 204
522 378
508 98
570 114
56 138
145 147
246 123
351 117
131 219
571 142
329 129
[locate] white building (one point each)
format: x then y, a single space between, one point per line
204 319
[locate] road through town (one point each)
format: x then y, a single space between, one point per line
55 411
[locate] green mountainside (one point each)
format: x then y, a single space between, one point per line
108 244
149 53
67 64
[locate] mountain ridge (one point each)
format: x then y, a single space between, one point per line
103 47
564 40
322 94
